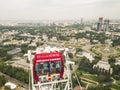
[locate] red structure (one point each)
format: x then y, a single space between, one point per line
48 66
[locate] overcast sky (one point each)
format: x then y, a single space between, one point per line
58 9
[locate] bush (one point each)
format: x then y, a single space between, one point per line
2 81
7 88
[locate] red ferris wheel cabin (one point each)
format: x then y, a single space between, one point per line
48 66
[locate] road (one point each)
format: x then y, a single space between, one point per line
17 82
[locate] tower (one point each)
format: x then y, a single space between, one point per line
106 24
81 21
99 24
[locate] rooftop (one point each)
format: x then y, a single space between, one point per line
103 64
12 85
14 51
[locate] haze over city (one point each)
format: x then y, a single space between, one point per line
58 9
59 45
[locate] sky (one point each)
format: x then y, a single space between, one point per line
58 9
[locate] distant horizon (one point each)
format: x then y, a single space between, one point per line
59 9
86 19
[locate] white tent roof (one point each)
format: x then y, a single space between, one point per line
12 85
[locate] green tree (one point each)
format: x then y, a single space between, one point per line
15 72
98 57
78 50
39 43
2 81
8 57
7 88
116 72
111 60
99 87
85 64
102 78
116 42
70 55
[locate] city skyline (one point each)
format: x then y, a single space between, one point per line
58 9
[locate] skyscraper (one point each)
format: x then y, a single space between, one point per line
106 24
100 24
81 21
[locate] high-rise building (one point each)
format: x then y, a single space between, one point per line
81 20
100 24
106 24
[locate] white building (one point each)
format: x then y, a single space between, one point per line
108 41
103 65
87 28
72 41
11 85
33 44
45 37
53 39
117 63
72 50
86 54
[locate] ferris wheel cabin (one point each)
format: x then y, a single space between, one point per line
48 66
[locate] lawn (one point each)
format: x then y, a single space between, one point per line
79 72
86 75
118 82
117 87
91 77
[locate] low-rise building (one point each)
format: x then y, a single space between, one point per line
11 85
45 37
117 63
33 44
14 51
53 39
84 41
86 54
108 41
96 41
16 42
103 65
73 41
72 50
22 64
